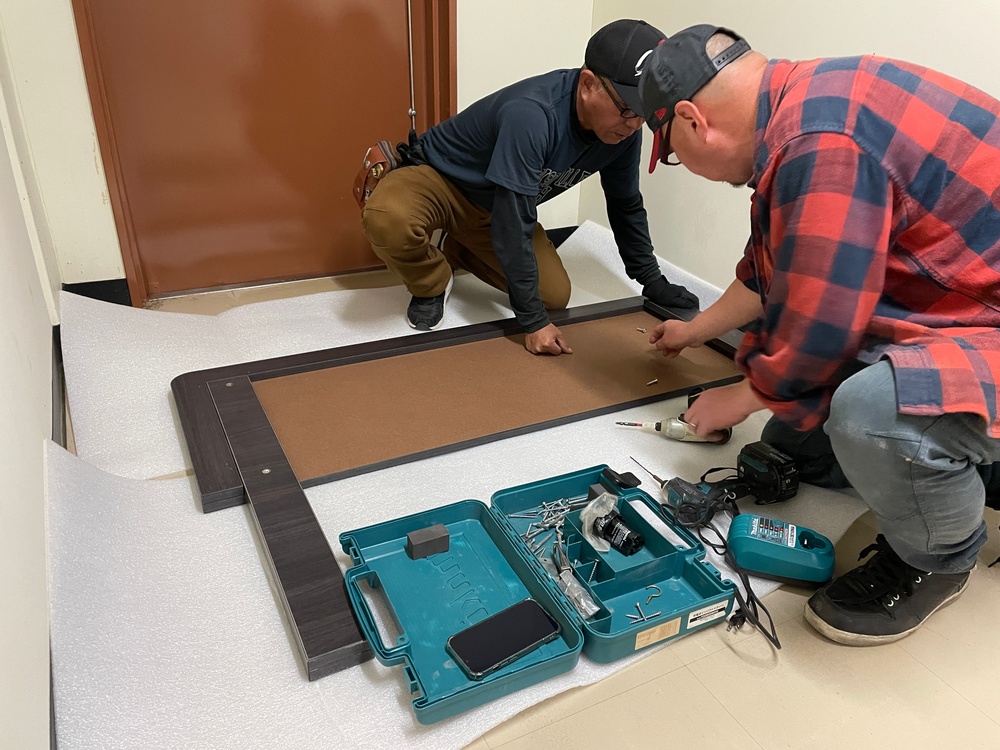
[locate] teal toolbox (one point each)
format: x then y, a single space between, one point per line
489 567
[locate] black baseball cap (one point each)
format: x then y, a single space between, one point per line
679 68
618 52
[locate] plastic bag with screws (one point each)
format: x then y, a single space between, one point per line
574 590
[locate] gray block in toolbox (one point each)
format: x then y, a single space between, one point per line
598 489
427 541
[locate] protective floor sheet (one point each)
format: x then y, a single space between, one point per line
165 632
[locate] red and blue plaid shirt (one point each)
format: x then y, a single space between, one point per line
875 232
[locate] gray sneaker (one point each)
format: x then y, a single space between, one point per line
427 313
881 601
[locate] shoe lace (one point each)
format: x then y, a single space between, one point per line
885 577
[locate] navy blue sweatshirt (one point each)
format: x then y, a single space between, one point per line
522 146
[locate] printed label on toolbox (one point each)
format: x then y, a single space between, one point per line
706 614
659 633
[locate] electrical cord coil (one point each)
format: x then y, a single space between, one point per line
696 511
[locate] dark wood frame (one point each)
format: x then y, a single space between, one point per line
219 481
237 458
435 93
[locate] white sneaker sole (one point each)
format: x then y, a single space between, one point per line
861 639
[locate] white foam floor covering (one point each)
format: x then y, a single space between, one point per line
165 632
119 361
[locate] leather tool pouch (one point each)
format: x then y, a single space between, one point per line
379 160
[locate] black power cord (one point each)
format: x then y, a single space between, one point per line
695 511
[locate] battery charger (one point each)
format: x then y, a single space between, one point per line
778 550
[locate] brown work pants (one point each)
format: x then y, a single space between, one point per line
411 202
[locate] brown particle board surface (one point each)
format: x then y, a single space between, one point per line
334 420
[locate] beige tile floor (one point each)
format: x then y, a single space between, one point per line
939 688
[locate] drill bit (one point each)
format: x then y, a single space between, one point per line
650 425
659 481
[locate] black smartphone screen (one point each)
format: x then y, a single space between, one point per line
501 638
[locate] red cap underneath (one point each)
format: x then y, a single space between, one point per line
655 156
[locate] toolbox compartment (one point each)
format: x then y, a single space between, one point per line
692 591
490 566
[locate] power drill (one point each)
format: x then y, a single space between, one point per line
678 428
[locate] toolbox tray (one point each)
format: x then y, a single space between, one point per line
489 566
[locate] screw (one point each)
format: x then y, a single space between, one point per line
265 471
641 330
654 381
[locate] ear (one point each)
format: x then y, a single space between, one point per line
687 114
588 82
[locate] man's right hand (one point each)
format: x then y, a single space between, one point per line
548 340
672 336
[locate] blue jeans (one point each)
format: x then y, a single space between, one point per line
918 474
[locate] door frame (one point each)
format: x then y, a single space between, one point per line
433 30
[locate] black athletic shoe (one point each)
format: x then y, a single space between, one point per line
882 601
427 313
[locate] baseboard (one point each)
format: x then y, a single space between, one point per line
111 290
58 391
58 436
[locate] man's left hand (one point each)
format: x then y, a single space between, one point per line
548 340
665 294
719 408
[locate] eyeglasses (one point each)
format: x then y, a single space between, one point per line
624 111
665 150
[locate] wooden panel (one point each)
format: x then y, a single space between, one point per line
218 480
339 421
302 566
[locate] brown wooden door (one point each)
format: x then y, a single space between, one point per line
231 130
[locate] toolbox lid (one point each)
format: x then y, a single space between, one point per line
431 598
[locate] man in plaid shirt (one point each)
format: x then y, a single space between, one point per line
870 292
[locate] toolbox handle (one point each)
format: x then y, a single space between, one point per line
388 656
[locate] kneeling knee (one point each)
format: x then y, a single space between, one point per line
384 227
556 299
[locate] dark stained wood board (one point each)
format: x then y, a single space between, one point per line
301 563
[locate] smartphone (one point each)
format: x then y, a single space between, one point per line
500 639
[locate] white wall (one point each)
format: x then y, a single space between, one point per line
502 42
26 419
703 226
64 172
